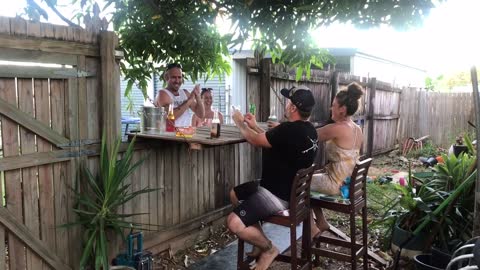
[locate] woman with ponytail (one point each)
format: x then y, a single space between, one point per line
343 139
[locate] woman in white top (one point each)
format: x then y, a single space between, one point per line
207 98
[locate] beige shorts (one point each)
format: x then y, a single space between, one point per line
323 184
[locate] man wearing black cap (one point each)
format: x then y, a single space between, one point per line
287 148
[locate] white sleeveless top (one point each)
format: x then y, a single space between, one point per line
185 120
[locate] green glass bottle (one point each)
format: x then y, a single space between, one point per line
253 109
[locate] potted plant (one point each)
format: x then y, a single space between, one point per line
97 204
436 211
454 223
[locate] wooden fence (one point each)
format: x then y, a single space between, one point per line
443 116
50 115
51 122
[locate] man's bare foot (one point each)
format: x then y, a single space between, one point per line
256 251
266 258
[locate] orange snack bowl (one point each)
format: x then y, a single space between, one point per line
186 132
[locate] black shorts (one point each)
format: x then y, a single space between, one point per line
256 203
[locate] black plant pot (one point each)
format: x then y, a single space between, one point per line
411 246
429 262
458 149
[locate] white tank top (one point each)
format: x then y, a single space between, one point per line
185 119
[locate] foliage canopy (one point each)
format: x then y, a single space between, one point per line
156 32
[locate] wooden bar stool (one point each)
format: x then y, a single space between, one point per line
298 212
352 207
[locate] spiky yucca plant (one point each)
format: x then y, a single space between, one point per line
97 205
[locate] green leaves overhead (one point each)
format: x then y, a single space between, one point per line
154 33
184 31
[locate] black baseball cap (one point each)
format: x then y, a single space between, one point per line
300 96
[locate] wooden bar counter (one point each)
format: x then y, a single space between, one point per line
194 177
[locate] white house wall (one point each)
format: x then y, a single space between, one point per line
388 71
238 80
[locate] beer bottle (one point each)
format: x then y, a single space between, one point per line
170 125
215 129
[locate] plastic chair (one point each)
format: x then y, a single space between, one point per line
467 257
298 212
353 206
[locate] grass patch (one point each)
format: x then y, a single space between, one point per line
380 200
427 150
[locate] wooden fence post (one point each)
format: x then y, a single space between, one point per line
110 87
334 84
476 102
371 109
264 105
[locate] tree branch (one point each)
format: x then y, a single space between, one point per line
52 7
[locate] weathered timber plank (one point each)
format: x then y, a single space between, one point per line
144 202
160 171
33 29
153 197
111 125
45 173
136 179
83 128
185 186
205 176
60 32
12 71
212 178
2 248
72 132
10 54
45 45
225 139
230 174
4 25
47 30
20 230
219 187
31 123
18 26
29 175
94 100
176 183
58 108
200 183
13 188
82 100
195 185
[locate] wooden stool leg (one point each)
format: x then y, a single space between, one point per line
240 261
293 246
306 241
365 237
353 240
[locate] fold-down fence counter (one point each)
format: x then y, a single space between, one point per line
195 176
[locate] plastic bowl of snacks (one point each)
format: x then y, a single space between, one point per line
186 132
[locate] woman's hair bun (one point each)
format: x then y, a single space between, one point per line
355 90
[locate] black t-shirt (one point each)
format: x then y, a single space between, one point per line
294 145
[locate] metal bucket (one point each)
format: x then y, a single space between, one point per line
153 119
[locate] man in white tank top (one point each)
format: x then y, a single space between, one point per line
183 101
